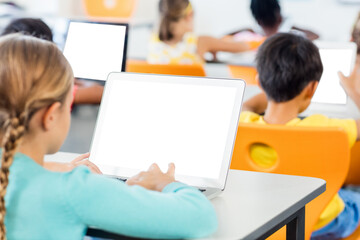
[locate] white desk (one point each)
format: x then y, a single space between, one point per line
253 205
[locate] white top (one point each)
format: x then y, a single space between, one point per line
252 202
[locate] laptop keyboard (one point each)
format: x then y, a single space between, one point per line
121 179
124 180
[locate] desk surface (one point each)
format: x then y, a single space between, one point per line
252 202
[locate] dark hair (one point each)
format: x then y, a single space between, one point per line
29 26
266 12
171 11
286 64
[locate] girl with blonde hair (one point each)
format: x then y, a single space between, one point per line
36 85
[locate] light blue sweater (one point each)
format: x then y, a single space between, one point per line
47 205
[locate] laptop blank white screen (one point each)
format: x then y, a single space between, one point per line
184 122
329 90
95 49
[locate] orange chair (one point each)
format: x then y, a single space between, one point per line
139 66
246 73
304 151
353 176
109 8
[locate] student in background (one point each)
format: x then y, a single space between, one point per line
176 43
36 95
289 68
84 93
267 14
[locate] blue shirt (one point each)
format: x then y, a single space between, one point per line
48 205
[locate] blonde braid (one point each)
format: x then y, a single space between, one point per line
14 131
33 75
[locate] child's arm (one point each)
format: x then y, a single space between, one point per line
351 86
240 30
256 104
89 94
309 34
211 44
178 212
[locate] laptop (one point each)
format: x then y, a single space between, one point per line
190 121
94 49
330 98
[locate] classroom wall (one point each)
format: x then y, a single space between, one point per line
331 19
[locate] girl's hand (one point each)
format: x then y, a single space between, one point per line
84 160
153 179
350 84
67 167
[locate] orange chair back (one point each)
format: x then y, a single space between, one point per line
353 176
109 8
138 66
304 151
246 73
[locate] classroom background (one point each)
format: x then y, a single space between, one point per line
332 19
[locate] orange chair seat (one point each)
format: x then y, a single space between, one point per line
246 73
139 66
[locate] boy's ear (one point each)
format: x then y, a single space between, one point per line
311 88
50 116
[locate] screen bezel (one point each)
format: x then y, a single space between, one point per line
126 25
230 141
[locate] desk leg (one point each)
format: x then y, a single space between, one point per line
295 229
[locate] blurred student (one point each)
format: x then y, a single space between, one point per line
176 43
84 92
36 95
290 69
267 14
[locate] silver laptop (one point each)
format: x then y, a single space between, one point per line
190 121
330 98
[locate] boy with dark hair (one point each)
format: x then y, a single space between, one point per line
290 68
